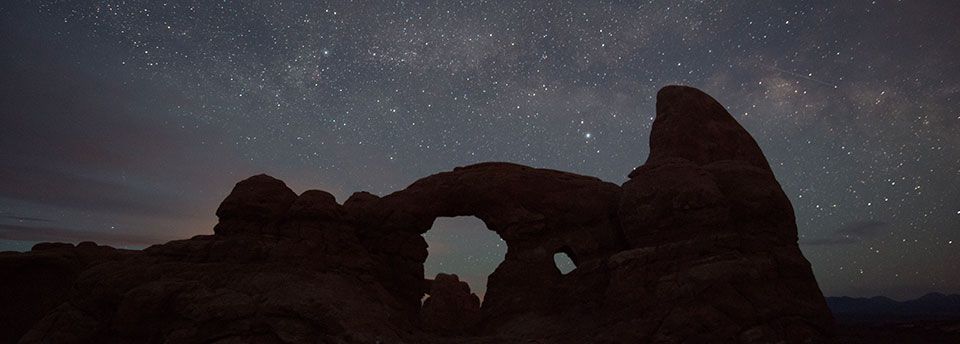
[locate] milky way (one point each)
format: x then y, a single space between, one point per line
126 122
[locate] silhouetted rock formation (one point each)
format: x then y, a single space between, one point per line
450 308
698 246
33 284
715 233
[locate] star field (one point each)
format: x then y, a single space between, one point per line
127 122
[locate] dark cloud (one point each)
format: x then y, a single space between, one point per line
865 229
54 234
831 241
23 218
62 189
850 234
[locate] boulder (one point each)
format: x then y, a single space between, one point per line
254 202
451 309
316 205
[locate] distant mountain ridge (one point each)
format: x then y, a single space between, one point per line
932 306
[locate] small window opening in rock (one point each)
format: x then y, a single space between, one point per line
424 297
564 263
463 246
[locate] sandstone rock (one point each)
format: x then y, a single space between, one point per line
254 202
316 205
538 212
700 245
34 283
451 308
693 126
715 232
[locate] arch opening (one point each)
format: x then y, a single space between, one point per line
563 262
465 247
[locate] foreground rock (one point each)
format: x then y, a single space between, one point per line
706 217
450 309
698 246
34 284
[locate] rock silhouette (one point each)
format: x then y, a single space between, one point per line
700 245
450 308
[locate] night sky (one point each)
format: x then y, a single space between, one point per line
127 122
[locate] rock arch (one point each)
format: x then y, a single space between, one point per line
538 212
700 245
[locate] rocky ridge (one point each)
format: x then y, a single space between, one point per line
700 245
